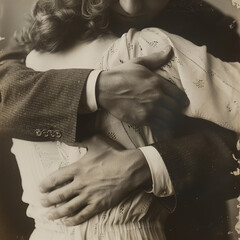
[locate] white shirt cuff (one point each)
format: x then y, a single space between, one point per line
91 90
162 185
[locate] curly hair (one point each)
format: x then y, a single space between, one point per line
55 24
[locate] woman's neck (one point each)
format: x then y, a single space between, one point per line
89 53
83 54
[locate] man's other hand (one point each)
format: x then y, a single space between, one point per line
96 182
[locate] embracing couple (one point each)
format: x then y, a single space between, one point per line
105 153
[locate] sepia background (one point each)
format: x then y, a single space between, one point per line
13 222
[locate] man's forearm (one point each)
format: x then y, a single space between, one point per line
201 163
50 104
39 106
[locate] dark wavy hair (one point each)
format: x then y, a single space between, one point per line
55 24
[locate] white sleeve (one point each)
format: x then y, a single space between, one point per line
199 74
91 90
162 185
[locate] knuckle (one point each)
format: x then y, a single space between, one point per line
70 209
79 219
154 81
83 217
149 111
74 222
102 206
61 197
159 81
42 187
166 85
159 95
55 214
68 222
73 190
52 181
157 98
45 202
143 116
78 187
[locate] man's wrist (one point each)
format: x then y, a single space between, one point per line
100 87
140 174
161 182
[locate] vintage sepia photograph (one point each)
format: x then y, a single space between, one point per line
119 119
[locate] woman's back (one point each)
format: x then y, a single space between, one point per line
139 216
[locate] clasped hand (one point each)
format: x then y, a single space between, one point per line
133 93
96 182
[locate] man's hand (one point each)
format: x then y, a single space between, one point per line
135 94
97 182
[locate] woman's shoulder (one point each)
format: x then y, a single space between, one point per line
147 41
44 61
83 54
37 60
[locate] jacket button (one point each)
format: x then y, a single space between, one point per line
45 133
38 132
58 134
51 133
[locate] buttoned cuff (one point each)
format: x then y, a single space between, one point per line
91 90
162 185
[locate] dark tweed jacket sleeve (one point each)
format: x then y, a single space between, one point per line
200 161
39 106
199 158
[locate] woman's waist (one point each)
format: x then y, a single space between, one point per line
140 208
95 224
95 230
